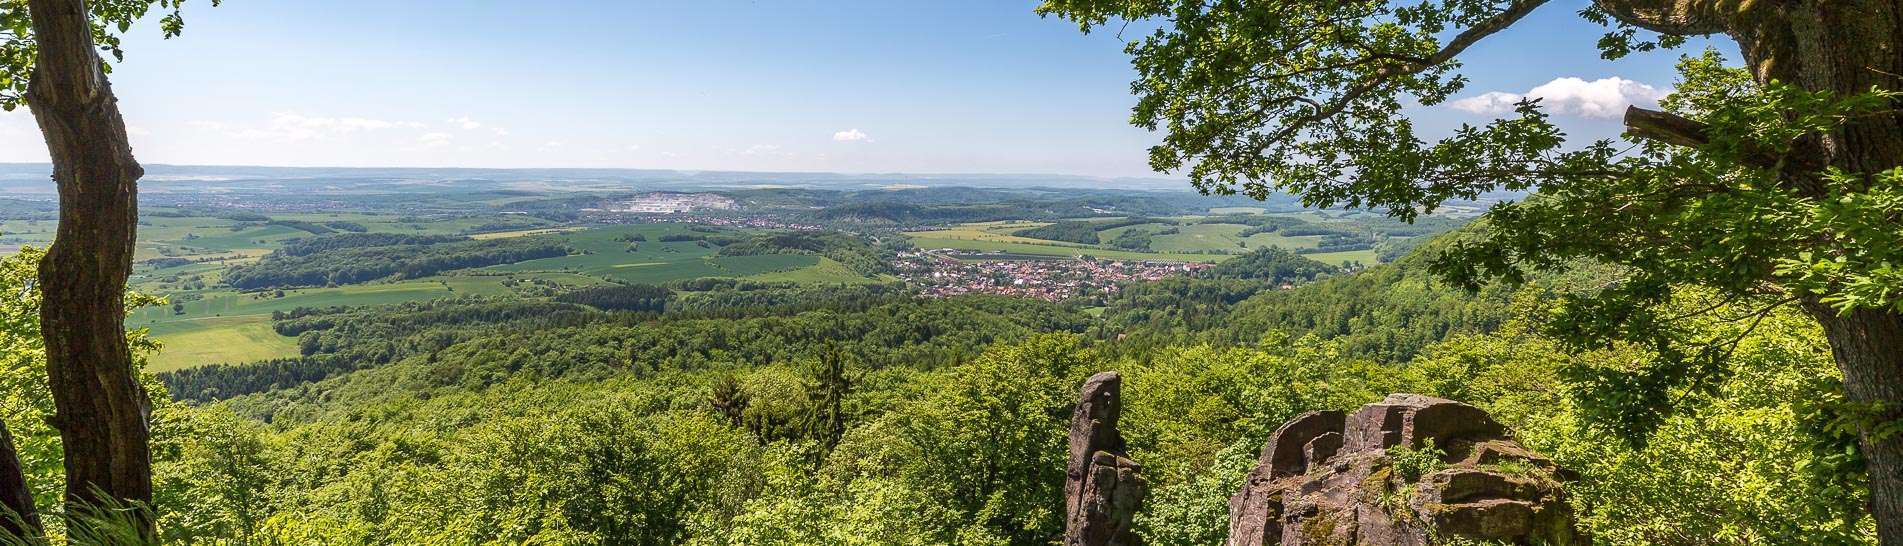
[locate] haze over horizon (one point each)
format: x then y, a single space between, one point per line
833 87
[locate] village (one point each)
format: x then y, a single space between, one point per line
946 272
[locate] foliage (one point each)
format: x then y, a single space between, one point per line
311 245
1412 463
1079 231
338 262
26 402
637 297
1272 264
859 254
1729 189
1750 465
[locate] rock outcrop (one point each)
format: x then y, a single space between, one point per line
1408 470
1102 489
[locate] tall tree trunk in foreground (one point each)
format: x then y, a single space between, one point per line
100 408
1868 346
1849 47
18 519
1845 47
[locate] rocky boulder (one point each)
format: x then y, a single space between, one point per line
1408 470
1102 489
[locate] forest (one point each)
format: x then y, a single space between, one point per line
358 258
824 416
1681 325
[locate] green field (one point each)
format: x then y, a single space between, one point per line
827 271
1365 257
215 324
219 340
961 239
603 254
1192 242
226 326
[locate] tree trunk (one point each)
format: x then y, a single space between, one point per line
18 518
99 407
1844 47
1849 47
1868 347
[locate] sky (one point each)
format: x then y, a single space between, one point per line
971 86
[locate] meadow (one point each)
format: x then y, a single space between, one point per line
1191 241
214 324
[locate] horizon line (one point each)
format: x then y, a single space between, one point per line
1158 178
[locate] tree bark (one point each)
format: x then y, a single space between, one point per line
1849 47
18 518
1868 347
99 407
1844 47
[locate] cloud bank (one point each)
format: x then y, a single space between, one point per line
1604 98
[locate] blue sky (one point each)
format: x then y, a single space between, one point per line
977 86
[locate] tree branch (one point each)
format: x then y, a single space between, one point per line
1795 171
1676 130
1665 127
1674 17
1467 38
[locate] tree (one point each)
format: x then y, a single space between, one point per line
1775 184
49 61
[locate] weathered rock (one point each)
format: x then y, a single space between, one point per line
1326 479
1102 487
1254 510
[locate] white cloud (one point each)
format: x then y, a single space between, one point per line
1605 98
466 123
500 131
851 135
433 140
633 147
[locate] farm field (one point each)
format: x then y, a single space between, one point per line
827 271
1192 243
962 239
226 326
604 253
216 324
1364 257
189 343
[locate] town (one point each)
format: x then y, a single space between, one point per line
946 272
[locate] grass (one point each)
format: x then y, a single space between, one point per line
522 233
1261 240
1212 237
1190 244
225 303
923 240
605 254
220 325
996 237
827 271
1366 257
219 339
